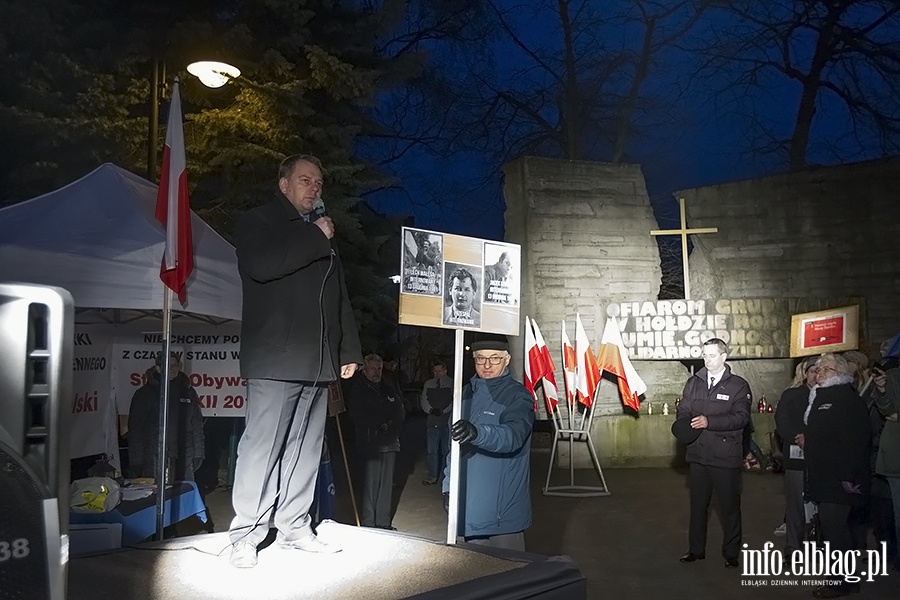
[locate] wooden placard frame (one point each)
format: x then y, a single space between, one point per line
831 330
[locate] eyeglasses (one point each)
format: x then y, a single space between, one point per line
494 360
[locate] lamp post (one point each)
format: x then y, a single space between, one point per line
212 74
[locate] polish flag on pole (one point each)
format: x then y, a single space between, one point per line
613 358
587 374
529 345
172 207
551 390
569 365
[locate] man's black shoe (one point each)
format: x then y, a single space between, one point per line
691 557
732 562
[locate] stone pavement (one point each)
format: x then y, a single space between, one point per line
627 544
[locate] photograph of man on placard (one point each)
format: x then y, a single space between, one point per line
501 270
422 262
462 300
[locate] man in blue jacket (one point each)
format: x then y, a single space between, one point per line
495 438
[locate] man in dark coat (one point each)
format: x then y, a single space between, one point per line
298 334
718 403
377 412
184 429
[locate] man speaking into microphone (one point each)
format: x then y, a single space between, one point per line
298 334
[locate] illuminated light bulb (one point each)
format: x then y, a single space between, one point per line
213 74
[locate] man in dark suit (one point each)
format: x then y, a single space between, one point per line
298 334
461 288
718 403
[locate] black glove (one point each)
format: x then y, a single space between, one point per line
463 432
436 412
197 463
383 428
447 502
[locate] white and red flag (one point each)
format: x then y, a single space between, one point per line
587 374
530 343
613 358
551 390
172 207
569 365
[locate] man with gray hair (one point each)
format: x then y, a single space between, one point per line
377 412
718 403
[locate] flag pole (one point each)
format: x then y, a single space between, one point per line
174 214
161 458
453 513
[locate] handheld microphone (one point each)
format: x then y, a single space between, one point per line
319 208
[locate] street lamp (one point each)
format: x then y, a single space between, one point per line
212 74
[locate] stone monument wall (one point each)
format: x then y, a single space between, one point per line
829 232
584 229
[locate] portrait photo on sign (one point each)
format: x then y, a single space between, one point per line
501 274
422 262
462 300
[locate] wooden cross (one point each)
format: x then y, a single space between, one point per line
683 232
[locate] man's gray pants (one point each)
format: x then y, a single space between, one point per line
278 459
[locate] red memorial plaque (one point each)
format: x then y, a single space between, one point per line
823 332
832 330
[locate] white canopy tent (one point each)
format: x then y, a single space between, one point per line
98 238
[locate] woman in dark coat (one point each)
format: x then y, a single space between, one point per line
838 444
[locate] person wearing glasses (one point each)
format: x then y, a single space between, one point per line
838 445
298 334
494 434
718 403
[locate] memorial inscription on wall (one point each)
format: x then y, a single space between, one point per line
676 329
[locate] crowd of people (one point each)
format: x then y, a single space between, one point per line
837 423
839 447
840 442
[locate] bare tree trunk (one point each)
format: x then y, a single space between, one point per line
626 111
571 101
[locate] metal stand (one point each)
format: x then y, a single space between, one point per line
574 433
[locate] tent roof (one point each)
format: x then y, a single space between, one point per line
98 238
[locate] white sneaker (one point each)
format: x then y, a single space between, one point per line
781 530
243 555
310 543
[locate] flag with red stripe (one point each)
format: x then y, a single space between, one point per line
527 366
172 206
587 374
551 390
569 365
613 358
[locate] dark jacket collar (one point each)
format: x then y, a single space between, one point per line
290 211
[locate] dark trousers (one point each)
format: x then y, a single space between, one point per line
703 480
794 511
378 484
437 445
834 521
